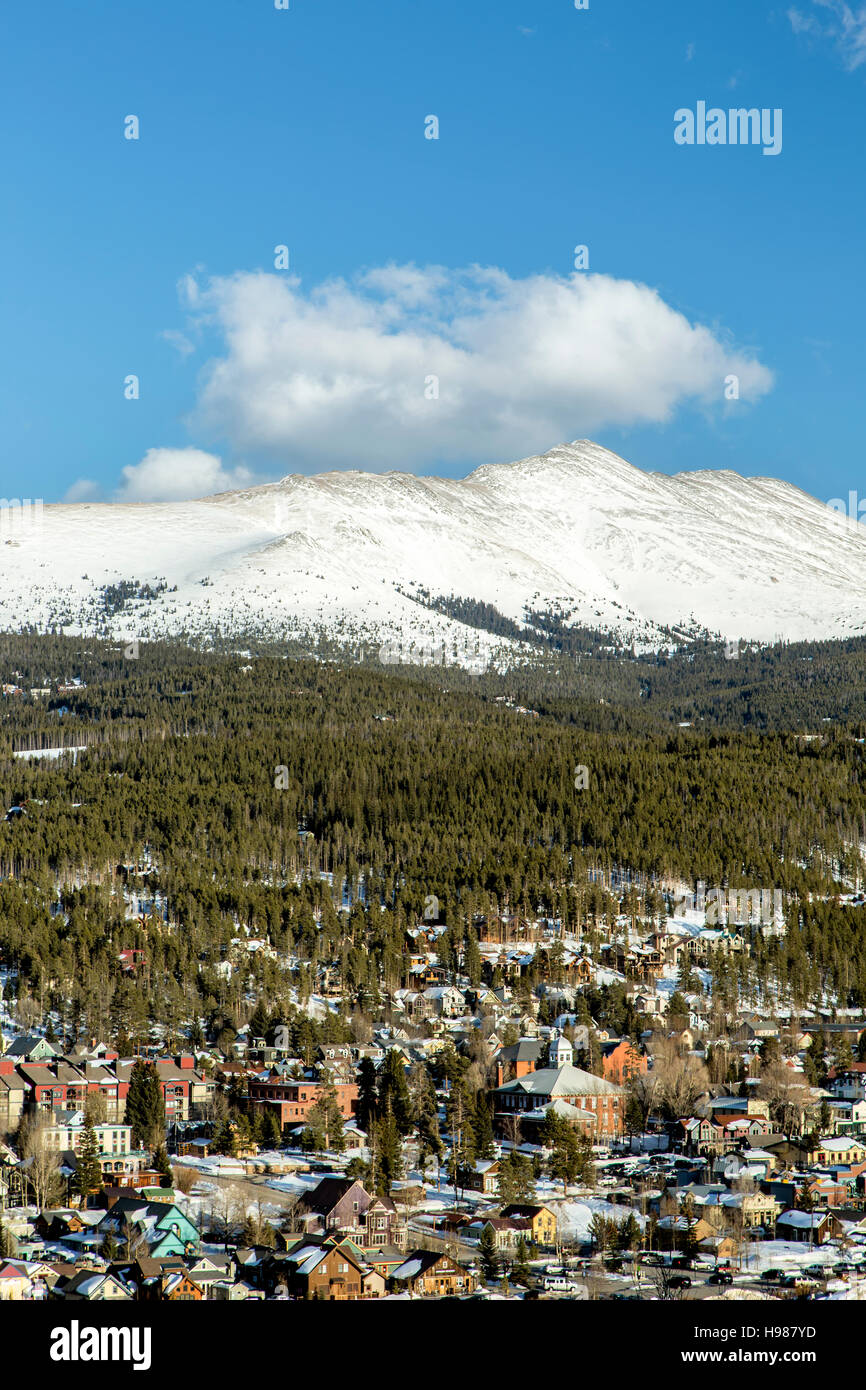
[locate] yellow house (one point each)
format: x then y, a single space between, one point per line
542 1221
839 1150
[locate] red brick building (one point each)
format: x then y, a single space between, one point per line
601 1101
622 1059
293 1100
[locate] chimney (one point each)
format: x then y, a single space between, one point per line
185 1062
7 1066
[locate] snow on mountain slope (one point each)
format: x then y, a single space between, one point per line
339 554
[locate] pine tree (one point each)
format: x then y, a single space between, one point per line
272 1134
162 1165
259 1022
224 1140
570 1152
425 1111
88 1171
394 1091
485 1146
488 1254
387 1149
472 959
368 1099
325 1121
109 1249
629 1233
145 1107
521 1271
516 1179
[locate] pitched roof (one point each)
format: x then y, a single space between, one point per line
525 1050
418 1262
562 1081
328 1193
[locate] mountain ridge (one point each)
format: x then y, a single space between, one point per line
578 531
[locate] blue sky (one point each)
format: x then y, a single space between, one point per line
305 128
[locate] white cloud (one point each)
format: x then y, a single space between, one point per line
690 52
336 376
179 341
844 25
83 490
173 475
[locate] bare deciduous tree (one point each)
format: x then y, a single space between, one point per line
786 1096
41 1164
682 1078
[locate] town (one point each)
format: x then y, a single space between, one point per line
489 1136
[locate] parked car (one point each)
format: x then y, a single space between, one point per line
816 1271
679 1281
652 1258
770 1276
721 1276
557 1283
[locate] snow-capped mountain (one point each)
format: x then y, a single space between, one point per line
577 530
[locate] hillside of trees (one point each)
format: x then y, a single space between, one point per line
230 786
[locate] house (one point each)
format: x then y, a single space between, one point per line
179 1287
59 1083
92 1287
672 1231
848 1116
16 1281
343 1205
743 1210
483 1176
57 1224
839 1151
540 1221
160 1226
30 1047
13 1093
384 1261
130 960
329 1270
430 1274
813 1227
66 1131
208 1270
848 1084
827 1193
445 1001
506 1231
